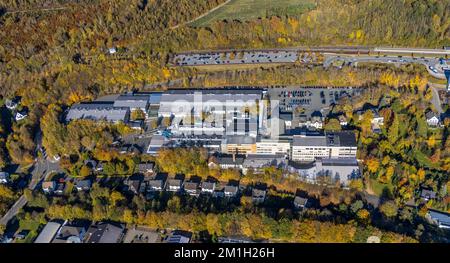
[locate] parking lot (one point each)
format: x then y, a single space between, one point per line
245 57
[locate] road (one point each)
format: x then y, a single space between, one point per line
40 169
433 65
431 58
435 100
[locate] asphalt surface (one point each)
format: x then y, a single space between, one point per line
40 170
433 65
246 57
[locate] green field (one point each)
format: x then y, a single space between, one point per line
252 9
378 187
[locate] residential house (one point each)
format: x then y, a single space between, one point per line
22 234
112 50
432 118
343 120
208 187
179 237
258 195
84 185
427 194
4 177
104 233
441 219
22 114
11 104
230 190
60 187
134 185
156 185
146 168
300 202
174 185
48 233
48 187
71 233
191 188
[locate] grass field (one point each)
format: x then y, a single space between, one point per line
251 9
378 187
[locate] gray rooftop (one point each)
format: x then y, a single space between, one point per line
98 111
440 217
132 101
240 139
104 233
48 233
208 185
231 189
190 186
309 141
335 139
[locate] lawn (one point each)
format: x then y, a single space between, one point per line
378 187
244 10
424 160
31 225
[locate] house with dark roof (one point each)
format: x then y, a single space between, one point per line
179 237
104 233
155 185
174 185
134 185
84 185
12 103
191 188
300 202
145 168
258 195
71 233
4 177
427 194
60 187
21 114
208 187
230 190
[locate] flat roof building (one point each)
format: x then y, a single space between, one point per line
98 111
330 145
48 233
